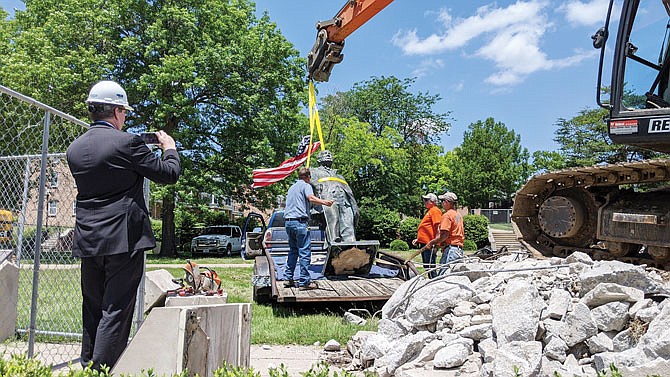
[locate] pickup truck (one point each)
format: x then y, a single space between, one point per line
345 272
218 239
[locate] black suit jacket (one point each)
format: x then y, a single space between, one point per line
109 167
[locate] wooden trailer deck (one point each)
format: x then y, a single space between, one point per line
339 288
352 289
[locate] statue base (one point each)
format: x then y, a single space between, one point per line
350 258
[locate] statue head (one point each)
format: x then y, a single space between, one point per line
325 158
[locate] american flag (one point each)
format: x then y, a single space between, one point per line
266 177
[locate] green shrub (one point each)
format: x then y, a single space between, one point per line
477 229
21 366
398 245
157 229
469 245
377 223
407 230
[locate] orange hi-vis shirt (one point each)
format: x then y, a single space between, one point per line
452 221
426 231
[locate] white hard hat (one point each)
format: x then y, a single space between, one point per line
108 92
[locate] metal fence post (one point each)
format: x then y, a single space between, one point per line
38 248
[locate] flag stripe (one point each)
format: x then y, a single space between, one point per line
268 176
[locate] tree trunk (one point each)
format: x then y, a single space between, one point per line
169 245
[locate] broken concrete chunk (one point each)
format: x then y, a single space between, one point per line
516 313
600 343
453 355
332 346
578 325
559 302
610 292
612 316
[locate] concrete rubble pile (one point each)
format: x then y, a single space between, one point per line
573 316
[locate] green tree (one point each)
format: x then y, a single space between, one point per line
388 102
544 161
384 134
490 164
378 170
224 83
584 141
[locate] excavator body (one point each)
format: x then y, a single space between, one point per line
616 211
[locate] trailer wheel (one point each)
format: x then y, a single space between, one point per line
262 295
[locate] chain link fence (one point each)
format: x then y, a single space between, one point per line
495 216
37 214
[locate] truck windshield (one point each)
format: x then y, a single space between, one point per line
648 43
219 230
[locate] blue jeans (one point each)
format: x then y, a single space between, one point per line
450 253
428 257
300 247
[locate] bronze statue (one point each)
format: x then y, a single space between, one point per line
342 217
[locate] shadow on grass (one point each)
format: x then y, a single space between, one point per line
361 309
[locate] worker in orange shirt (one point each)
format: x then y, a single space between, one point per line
428 229
452 234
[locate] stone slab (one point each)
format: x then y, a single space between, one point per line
156 285
9 295
197 300
197 338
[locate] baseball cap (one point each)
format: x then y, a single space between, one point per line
430 196
448 196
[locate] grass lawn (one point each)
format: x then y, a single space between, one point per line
284 324
59 305
501 226
151 258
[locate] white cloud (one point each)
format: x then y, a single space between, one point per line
587 13
510 37
427 66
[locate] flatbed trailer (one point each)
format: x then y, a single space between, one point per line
332 288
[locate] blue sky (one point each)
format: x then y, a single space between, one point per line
526 63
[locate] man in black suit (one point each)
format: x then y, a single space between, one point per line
112 229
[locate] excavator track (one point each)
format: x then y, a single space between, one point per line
611 212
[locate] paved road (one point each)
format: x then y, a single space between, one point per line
296 359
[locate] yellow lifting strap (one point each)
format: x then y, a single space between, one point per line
314 122
333 179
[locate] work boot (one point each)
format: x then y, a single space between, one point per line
309 286
289 284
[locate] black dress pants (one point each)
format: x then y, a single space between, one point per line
109 287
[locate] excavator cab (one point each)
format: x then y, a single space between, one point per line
615 211
639 103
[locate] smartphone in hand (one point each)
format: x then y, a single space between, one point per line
149 137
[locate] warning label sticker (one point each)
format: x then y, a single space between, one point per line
623 127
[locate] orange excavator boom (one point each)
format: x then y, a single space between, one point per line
327 50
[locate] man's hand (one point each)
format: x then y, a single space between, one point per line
165 141
328 202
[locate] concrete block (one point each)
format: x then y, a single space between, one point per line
197 300
9 296
197 338
156 285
